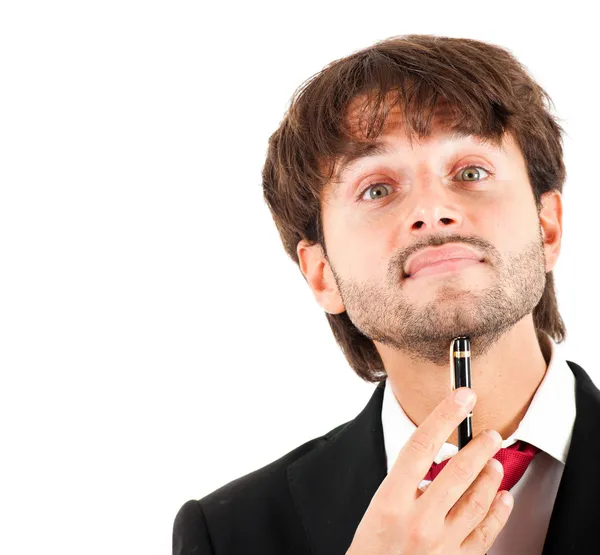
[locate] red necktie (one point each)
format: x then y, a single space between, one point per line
515 459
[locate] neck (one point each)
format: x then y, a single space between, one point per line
505 380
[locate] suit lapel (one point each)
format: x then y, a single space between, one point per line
333 485
575 520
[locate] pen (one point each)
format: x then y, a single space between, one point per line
460 376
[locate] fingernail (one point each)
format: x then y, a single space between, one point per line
496 465
464 396
506 498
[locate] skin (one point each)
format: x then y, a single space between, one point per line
421 195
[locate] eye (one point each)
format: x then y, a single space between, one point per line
472 173
375 191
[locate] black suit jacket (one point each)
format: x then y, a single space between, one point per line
312 499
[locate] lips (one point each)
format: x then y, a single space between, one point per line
430 256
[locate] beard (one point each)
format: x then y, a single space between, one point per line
384 313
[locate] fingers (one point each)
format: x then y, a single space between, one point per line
485 533
462 470
470 510
415 458
458 509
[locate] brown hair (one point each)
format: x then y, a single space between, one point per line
488 93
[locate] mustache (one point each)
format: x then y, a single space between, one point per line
398 261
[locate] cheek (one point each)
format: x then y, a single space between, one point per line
508 225
360 251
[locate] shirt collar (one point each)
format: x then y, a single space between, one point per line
547 424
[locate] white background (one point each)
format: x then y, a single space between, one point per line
156 341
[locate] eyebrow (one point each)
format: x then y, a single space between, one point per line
362 151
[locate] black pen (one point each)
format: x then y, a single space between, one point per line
460 376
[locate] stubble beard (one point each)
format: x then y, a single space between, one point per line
424 331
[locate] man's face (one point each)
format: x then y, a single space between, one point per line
389 207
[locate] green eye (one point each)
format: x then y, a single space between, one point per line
472 173
376 191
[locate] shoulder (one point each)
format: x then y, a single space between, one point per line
248 502
267 479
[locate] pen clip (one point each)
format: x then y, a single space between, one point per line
452 373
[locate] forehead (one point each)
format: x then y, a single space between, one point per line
444 125
396 112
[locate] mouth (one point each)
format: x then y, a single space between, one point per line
450 265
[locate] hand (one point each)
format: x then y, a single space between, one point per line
458 514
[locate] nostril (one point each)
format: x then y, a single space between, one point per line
446 220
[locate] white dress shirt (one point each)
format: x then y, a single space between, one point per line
548 424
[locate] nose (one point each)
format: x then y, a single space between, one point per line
432 208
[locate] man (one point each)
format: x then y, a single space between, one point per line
417 183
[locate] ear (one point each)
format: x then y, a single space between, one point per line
318 274
551 224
